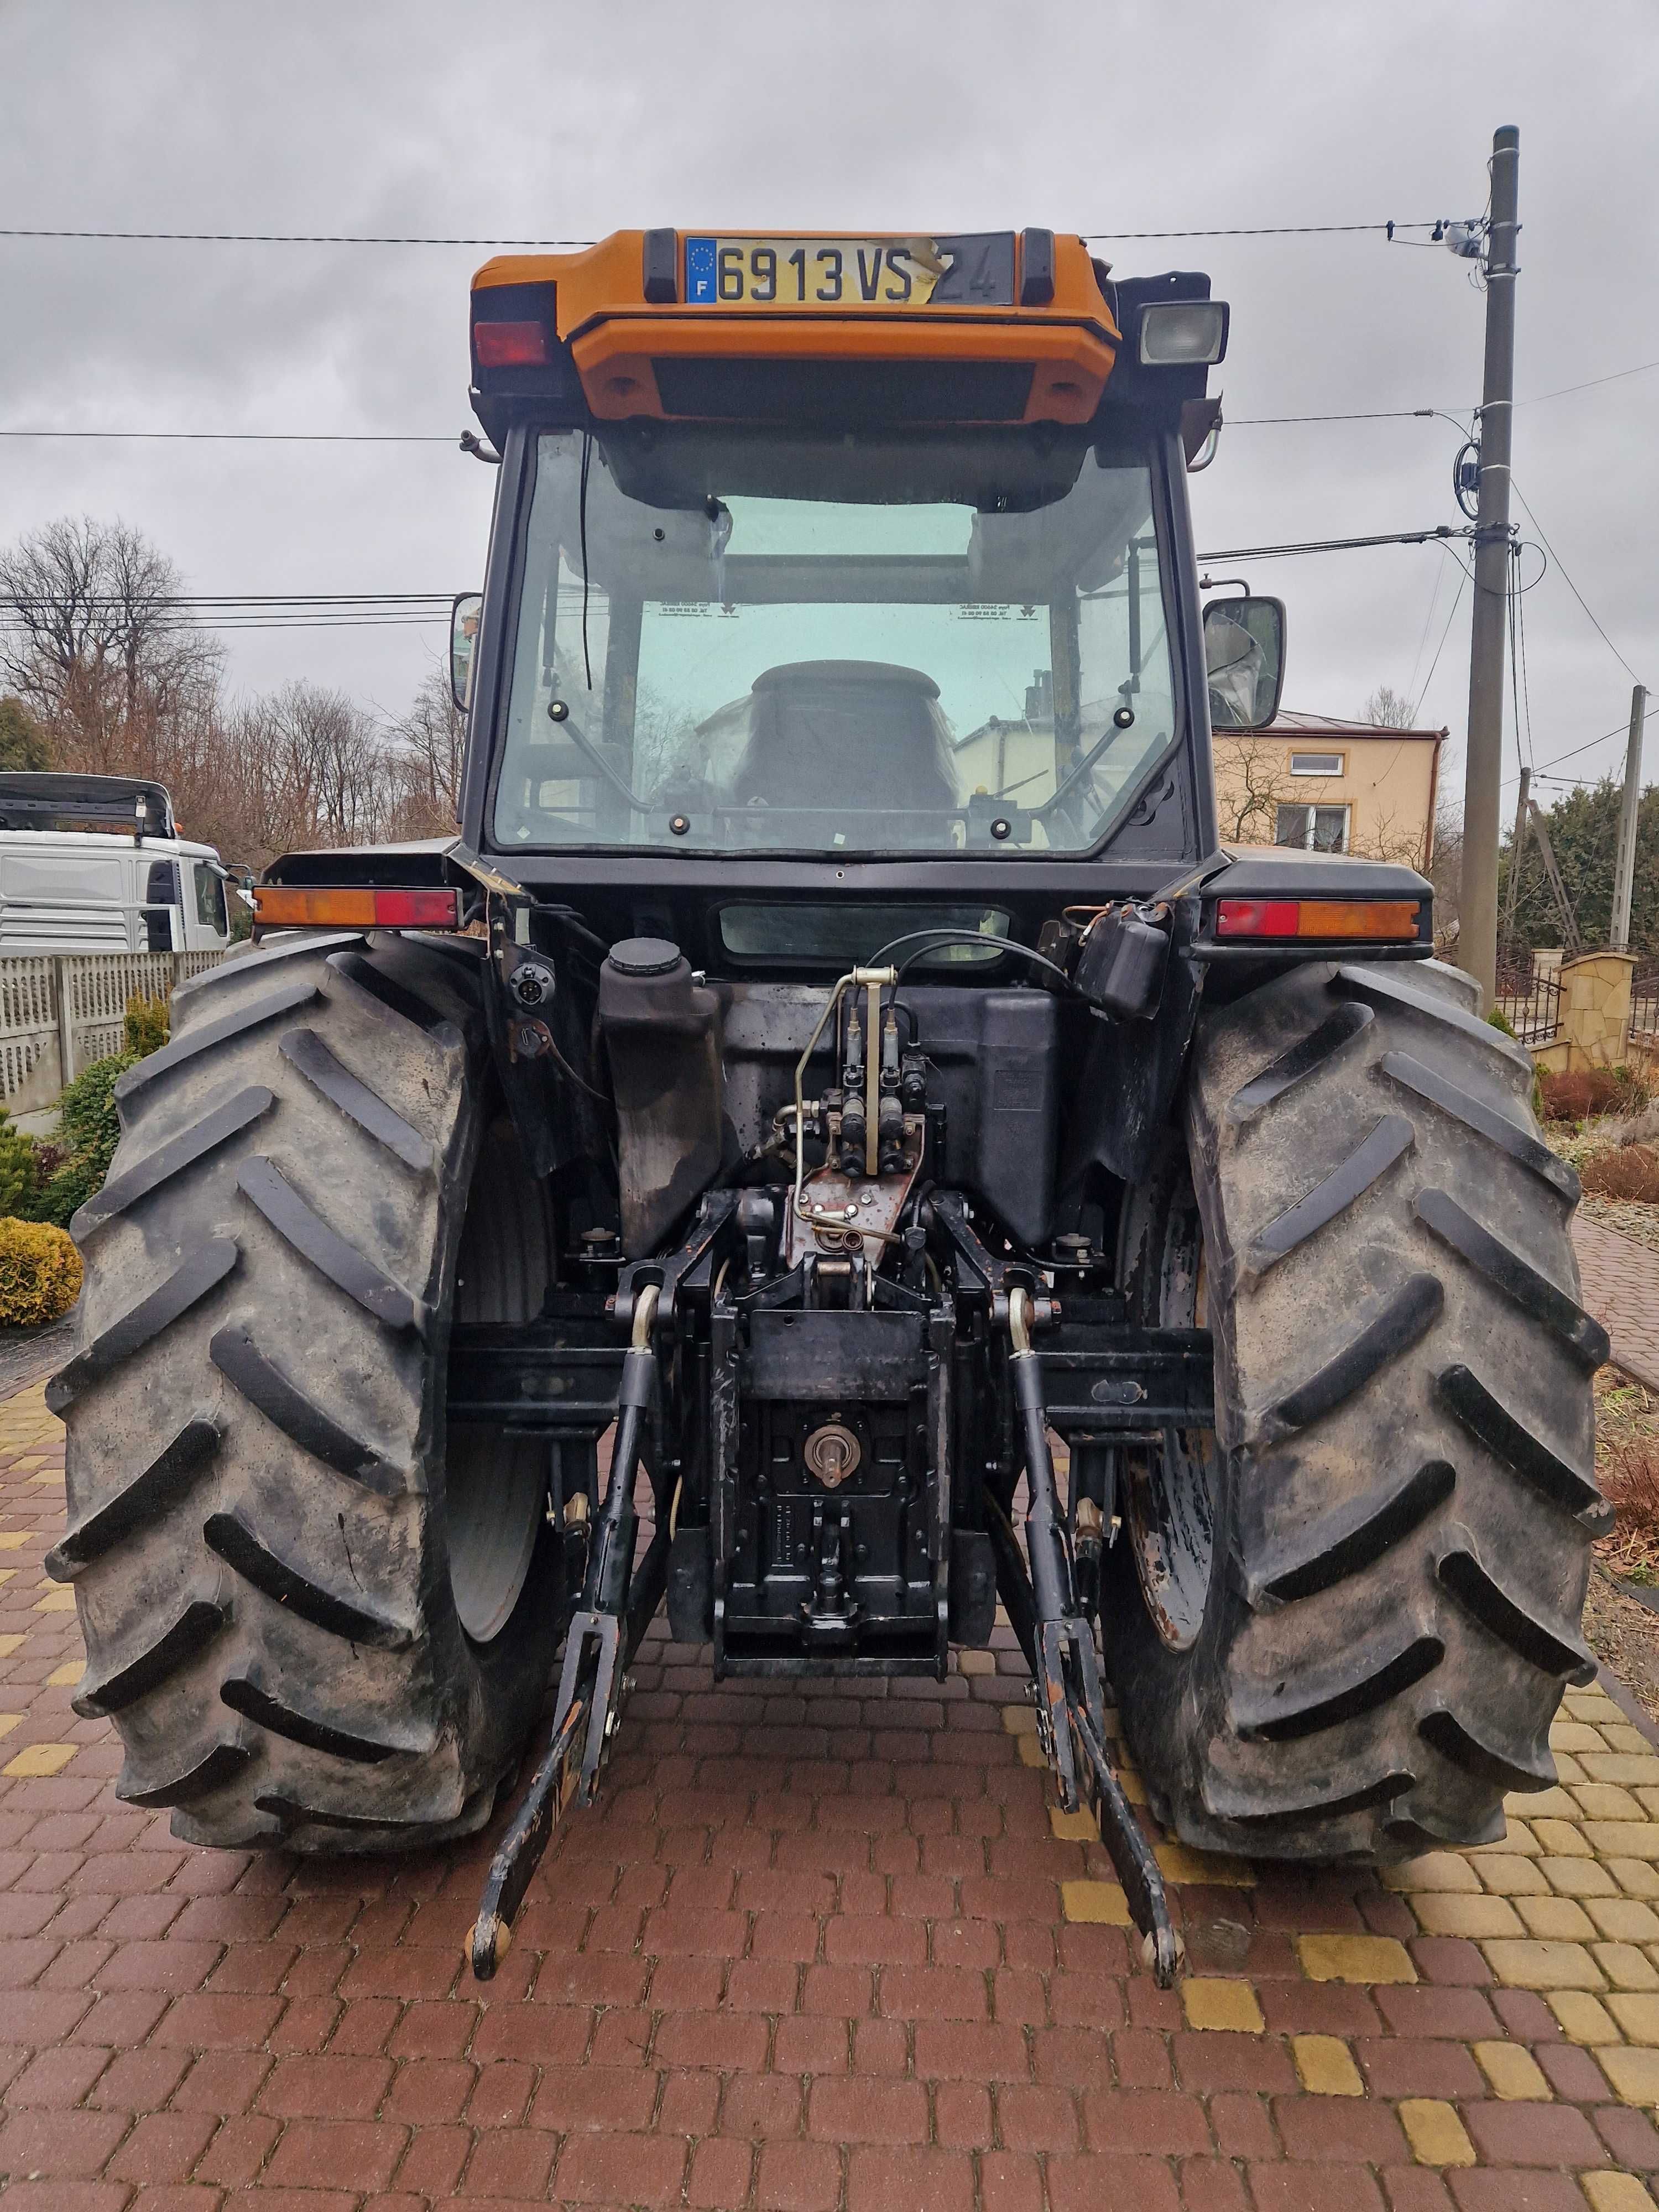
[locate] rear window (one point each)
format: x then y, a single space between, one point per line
851 936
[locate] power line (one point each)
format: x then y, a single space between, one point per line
1451 617
1441 531
1259 230
260 437
352 238
1640 369
1374 415
1571 586
280 238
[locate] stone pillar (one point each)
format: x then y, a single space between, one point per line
1595 1008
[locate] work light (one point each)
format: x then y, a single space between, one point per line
1182 332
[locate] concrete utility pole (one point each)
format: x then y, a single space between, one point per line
1477 939
1624 873
1517 845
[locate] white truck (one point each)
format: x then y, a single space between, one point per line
95 864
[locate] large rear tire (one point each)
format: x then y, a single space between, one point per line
314 1619
1341 1627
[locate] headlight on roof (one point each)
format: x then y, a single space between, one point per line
1182 332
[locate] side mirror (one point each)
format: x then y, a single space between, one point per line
463 637
1244 658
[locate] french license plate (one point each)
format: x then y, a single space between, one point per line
884 274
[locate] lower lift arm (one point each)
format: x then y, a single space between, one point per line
1059 1644
618 1601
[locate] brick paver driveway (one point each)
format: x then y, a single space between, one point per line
816 1950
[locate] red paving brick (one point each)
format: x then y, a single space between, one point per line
807 1955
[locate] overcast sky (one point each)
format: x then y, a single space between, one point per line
555 120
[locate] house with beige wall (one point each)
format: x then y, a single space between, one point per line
1333 785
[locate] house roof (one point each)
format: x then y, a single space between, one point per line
1292 722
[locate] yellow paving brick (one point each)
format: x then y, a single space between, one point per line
8 1721
48 1479
1512 2070
1614 2192
7 1646
1019 1720
1182 1863
1472 1917
1325 2066
1563 1839
1586 1703
1625 1967
1354 1959
976 1662
1211 2002
1574 1736
1624 1919
1536 1805
1637 2012
1517 1842
1531 1964
1636 1877
1648 1795
1583 2018
1579 1877
1625 1840
1568 1769
13 1539
1095 1900
1560 1919
1622 1736
1605 1800
1633 2072
1435 1870
40 1759
1078 1827
1625 1766
56 1601
1436 2134
1031 1751
66 1676
1508 1877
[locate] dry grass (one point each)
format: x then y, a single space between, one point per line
1627 1464
1632 1172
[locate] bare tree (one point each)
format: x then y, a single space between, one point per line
1388 710
94 639
428 747
1251 785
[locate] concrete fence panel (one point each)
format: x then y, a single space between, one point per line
60 1012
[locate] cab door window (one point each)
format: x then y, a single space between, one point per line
211 899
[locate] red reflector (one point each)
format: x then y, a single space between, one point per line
510 345
417 909
1256 918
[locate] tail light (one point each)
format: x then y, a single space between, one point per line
1338 920
304 906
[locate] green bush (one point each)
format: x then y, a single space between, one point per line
146 1023
39 1274
20 1169
89 1131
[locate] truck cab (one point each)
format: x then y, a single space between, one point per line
95 864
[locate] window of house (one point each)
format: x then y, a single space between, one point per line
1317 763
1313 829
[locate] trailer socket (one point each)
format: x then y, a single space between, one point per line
532 983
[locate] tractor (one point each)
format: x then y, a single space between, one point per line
836 1147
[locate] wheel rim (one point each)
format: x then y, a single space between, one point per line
1172 1489
495 1486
